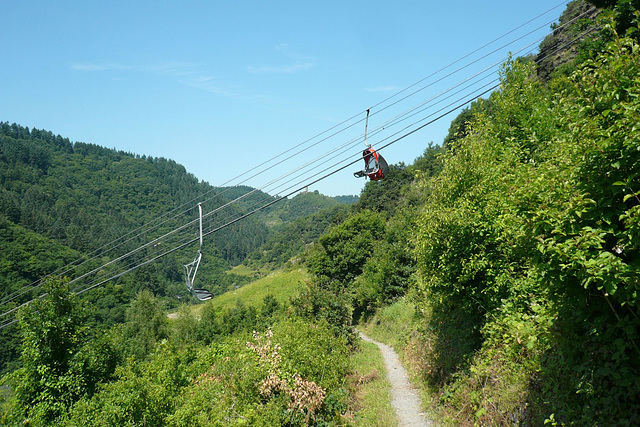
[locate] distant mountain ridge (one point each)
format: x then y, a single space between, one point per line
285 211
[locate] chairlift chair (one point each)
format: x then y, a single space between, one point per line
191 270
375 166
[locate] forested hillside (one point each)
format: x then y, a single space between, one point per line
84 196
285 211
61 202
502 264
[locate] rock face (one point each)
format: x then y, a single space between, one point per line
561 47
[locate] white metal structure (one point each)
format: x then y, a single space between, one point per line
191 269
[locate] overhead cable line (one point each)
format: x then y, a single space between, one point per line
142 229
230 222
473 52
298 186
245 195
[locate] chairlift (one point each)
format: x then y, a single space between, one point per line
375 166
191 270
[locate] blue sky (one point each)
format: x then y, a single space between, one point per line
221 86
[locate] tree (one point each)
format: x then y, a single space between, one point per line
51 332
428 164
335 262
146 324
625 13
342 251
389 272
386 195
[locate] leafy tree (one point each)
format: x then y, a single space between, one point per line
208 327
428 164
142 394
389 272
341 253
184 328
335 262
602 249
458 127
46 385
386 195
291 239
145 325
318 303
625 12
270 308
239 318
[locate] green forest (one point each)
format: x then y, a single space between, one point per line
63 202
502 264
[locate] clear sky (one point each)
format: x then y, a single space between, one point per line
219 86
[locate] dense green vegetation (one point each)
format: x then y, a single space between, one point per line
84 196
56 195
503 265
294 237
150 371
526 293
530 242
286 211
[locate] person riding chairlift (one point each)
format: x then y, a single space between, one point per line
375 166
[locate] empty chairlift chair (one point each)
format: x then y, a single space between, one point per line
191 270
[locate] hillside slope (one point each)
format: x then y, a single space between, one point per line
62 201
283 212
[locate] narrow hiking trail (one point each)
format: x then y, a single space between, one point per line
404 398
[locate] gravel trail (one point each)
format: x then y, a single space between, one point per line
404 398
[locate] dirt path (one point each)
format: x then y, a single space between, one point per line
404 398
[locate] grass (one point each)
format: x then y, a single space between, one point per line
243 270
282 284
392 325
371 404
395 325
